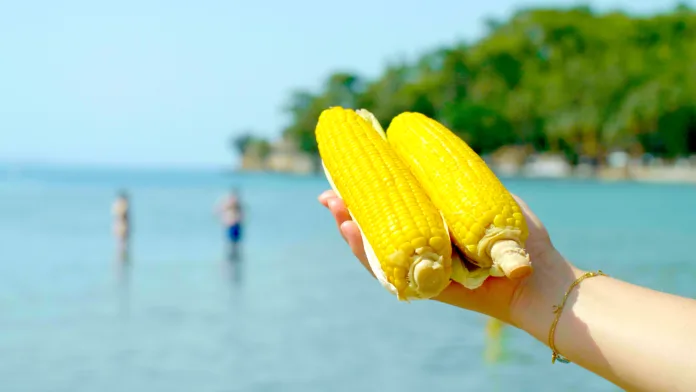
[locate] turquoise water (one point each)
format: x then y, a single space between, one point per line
300 314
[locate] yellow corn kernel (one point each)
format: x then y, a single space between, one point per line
481 214
394 214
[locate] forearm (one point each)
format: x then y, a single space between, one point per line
638 338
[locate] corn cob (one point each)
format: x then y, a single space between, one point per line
484 220
405 237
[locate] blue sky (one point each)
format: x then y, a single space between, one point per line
166 83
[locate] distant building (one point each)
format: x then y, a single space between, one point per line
547 166
283 156
286 157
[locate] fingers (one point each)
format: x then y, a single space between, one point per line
340 213
338 210
325 196
336 206
348 229
351 233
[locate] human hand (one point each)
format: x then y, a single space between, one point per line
498 297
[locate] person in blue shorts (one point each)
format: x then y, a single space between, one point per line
230 210
234 232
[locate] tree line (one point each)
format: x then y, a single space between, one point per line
566 80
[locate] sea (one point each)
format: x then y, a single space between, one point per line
297 312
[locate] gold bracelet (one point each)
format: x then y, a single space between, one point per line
557 309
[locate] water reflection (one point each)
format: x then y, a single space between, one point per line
494 341
233 266
123 276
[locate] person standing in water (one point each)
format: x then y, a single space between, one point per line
230 210
122 227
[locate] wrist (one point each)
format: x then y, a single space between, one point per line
532 306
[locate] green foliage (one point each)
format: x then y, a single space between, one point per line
570 80
483 128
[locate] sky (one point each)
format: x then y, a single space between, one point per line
168 83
